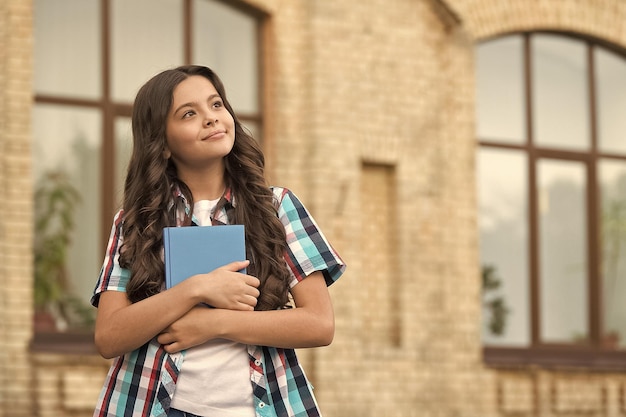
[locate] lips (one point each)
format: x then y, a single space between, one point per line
215 135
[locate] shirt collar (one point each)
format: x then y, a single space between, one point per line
183 210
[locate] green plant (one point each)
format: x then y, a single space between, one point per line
496 305
56 200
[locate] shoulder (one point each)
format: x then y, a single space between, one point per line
279 192
118 219
286 200
116 227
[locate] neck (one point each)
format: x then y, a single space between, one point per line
205 185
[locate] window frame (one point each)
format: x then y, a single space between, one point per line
81 341
593 354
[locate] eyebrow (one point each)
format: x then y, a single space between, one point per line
192 103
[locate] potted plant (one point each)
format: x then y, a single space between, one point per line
495 304
56 200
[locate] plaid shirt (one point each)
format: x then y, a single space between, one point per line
142 382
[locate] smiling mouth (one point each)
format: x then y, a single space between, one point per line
214 135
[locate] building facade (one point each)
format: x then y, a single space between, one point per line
369 115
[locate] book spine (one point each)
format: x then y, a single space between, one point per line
166 256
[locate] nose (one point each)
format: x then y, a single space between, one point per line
211 119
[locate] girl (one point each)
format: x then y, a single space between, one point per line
193 164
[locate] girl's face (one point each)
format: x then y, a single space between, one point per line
200 131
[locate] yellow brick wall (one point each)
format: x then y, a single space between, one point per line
3 241
67 385
603 19
390 86
367 101
16 208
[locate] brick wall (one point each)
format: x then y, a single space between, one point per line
389 88
371 122
16 208
3 242
603 19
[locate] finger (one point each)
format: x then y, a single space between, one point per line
243 303
172 347
253 292
242 306
236 266
165 338
252 281
252 300
249 301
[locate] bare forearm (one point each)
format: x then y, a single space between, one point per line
311 323
290 328
124 329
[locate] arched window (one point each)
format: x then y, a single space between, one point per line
91 56
552 196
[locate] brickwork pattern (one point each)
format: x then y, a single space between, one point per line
397 94
16 210
602 19
360 95
3 242
67 385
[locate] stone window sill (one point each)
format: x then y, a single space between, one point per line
70 343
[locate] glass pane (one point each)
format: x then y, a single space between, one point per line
503 216
67 145
123 150
147 37
225 39
613 197
611 90
563 251
560 92
500 99
67 48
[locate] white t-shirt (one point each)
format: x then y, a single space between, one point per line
215 377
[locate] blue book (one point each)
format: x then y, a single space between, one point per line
201 249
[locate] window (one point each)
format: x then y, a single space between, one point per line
552 199
91 56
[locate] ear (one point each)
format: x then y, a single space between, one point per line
167 153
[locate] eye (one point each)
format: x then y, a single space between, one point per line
218 104
188 114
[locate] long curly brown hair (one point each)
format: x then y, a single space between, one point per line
149 202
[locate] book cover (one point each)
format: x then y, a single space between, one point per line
200 249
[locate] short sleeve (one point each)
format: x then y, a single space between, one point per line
112 276
308 250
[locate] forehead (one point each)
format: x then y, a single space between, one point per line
192 89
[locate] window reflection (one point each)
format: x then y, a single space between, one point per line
67 143
611 97
67 48
504 240
225 40
613 198
147 37
500 103
560 92
563 251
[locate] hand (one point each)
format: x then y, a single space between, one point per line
192 329
228 289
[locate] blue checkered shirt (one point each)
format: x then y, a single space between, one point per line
142 382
